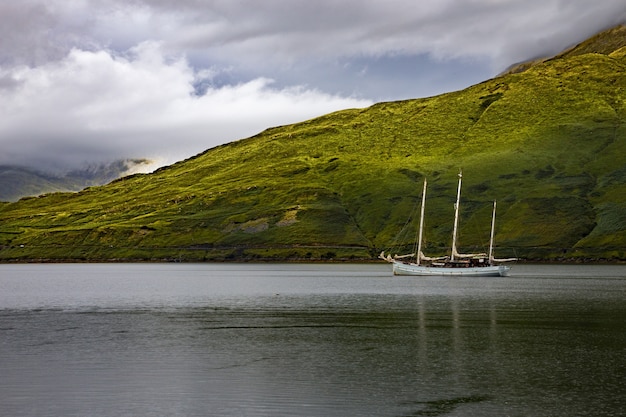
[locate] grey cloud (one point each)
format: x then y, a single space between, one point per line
281 32
8 83
253 33
33 32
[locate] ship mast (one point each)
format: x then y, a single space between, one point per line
456 217
419 238
493 226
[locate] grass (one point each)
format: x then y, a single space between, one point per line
547 143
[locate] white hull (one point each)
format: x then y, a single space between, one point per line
402 268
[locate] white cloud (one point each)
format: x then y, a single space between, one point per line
96 106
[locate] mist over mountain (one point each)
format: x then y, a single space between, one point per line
605 43
17 182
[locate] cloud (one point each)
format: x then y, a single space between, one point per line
280 32
98 106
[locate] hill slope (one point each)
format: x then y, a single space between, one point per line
548 143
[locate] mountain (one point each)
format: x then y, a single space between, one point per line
548 143
17 182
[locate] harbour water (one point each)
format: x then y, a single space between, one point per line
310 340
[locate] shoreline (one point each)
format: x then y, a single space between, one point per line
565 261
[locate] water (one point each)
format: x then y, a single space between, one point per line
309 340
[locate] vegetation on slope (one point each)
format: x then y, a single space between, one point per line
547 143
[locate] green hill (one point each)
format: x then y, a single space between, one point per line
549 143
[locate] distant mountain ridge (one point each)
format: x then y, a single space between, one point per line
548 143
17 182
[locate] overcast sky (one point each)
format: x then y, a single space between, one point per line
84 81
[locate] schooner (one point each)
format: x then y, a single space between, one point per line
476 264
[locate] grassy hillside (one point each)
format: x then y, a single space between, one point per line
548 143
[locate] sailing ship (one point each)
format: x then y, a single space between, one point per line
475 264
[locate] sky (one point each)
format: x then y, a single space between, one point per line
91 81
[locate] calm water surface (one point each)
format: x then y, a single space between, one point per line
310 340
